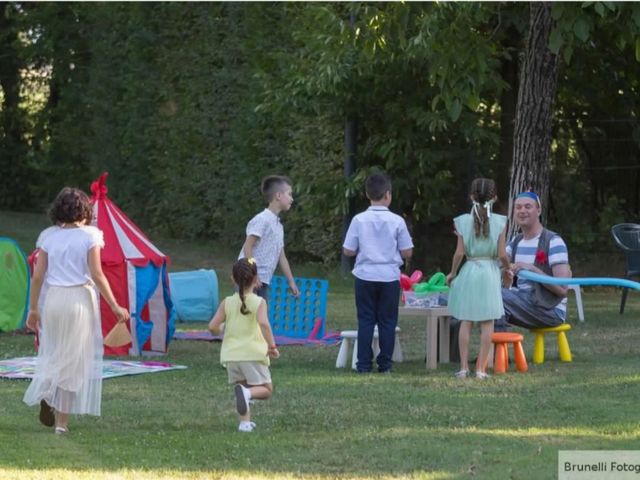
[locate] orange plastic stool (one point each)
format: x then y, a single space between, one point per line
501 362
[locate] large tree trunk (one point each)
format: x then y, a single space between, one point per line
532 135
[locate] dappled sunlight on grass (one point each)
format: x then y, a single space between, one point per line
532 433
485 434
490 435
131 474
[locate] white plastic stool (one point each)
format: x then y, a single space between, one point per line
348 335
576 289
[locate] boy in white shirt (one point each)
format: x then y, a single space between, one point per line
265 235
379 240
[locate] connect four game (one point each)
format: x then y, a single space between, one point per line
302 317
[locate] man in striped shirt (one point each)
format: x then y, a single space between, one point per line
531 304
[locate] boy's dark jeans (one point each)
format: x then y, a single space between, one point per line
377 304
263 292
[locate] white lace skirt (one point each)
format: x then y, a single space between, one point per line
68 373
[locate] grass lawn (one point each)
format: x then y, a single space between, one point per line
324 423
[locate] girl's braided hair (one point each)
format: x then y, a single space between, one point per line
244 273
482 191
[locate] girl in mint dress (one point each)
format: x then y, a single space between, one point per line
475 295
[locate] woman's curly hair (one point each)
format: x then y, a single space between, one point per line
71 205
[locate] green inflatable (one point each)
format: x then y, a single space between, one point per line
14 285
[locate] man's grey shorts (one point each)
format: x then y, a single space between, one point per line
520 309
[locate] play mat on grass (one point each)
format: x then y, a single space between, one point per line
23 368
330 338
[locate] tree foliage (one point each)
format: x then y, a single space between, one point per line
189 105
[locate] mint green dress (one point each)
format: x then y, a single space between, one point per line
476 293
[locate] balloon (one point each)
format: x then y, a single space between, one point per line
416 276
617 282
437 283
405 282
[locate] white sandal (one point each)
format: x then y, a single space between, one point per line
61 430
462 374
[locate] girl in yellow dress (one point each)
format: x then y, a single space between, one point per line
248 341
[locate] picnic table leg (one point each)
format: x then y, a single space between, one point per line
444 339
432 341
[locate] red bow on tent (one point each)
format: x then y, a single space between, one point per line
98 188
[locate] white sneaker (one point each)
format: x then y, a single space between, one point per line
246 426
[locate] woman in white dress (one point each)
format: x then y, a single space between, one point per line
68 375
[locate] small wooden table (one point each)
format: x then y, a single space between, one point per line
434 317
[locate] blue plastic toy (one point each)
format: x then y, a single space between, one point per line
298 317
603 281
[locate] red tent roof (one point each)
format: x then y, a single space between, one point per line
123 239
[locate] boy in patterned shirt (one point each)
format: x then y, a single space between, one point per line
265 235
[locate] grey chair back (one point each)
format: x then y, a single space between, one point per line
627 237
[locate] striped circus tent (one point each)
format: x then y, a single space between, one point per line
137 273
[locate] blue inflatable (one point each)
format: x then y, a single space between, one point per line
194 294
602 281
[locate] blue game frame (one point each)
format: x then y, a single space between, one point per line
296 317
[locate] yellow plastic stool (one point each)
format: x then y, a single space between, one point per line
563 344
